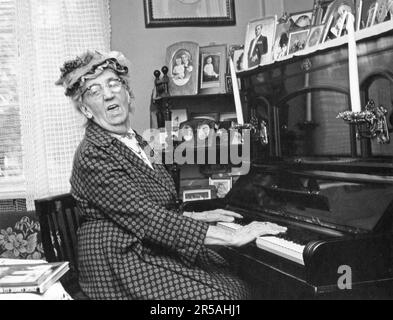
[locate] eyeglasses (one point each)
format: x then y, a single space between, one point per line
97 91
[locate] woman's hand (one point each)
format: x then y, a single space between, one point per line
254 230
219 236
218 215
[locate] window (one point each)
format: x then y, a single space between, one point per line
39 128
11 167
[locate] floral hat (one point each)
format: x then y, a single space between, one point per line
88 66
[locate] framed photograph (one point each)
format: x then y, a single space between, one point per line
213 69
197 194
236 52
182 59
320 9
259 42
369 13
178 117
297 41
185 13
336 16
315 36
223 186
382 11
300 20
280 46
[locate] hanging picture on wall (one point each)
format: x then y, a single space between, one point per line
186 13
182 59
213 67
259 42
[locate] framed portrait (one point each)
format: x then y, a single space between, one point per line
177 118
280 46
300 20
223 185
369 13
236 52
297 41
320 9
315 36
336 16
198 131
197 194
259 42
213 68
186 13
182 59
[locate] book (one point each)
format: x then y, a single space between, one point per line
30 277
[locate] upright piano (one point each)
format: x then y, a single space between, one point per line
332 190
339 236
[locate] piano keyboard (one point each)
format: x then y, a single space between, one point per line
273 244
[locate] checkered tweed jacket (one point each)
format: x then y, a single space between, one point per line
131 245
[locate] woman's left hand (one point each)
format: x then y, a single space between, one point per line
218 215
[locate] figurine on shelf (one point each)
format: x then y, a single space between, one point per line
370 123
161 85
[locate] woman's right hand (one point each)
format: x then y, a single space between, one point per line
219 236
250 232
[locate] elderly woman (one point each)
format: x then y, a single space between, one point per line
133 243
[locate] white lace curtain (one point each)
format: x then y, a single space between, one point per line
50 32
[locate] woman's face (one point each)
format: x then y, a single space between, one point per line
110 106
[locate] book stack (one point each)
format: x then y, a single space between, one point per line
30 276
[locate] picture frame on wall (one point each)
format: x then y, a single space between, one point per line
213 65
182 59
259 41
186 13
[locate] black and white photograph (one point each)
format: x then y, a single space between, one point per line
314 36
222 185
280 46
183 62
213 68
195 158
297 41
259 42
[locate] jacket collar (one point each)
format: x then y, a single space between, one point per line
101 138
